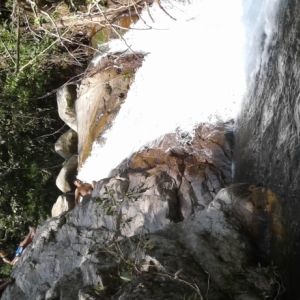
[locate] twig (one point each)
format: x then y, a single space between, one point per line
51 134
136 11
68 40
115 30
18 41
160 6
33 5
5 237
193 286
7 52
28 26
55 90
207 284
147 7
53 167
45 50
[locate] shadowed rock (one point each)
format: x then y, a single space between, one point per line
66 145
67 174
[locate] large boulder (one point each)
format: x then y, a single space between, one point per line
67 174
199 165
66 145
66 97
101 94
63 204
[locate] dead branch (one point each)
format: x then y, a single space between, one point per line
115 30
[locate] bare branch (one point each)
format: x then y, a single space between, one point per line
18 41
51 134
115 30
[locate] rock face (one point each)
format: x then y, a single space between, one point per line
67 174
66 145
161 227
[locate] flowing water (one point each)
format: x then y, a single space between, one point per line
267 137
193 72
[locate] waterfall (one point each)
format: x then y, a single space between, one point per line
260 26
194 72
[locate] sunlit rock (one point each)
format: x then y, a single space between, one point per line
66 97
66 145
67 174
199 166
101 94
63 203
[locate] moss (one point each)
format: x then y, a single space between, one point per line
108 88
101 37
128 76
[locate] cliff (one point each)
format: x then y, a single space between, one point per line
167 222
162 228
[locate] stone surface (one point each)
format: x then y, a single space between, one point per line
66 97
66 145
198 166
88 254
63 203
162 226
67 174
101 94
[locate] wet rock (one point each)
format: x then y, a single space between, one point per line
267 139
200 166
66 145
101 94
66 97
67 174
163 225
206 254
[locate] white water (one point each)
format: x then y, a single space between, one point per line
259 18
194 72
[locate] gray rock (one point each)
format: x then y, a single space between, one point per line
87 253
66 97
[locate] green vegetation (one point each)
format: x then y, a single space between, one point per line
108 88
38 54
128 76
33 65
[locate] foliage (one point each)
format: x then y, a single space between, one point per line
276 279
128 76
29 127
35 61
6 270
